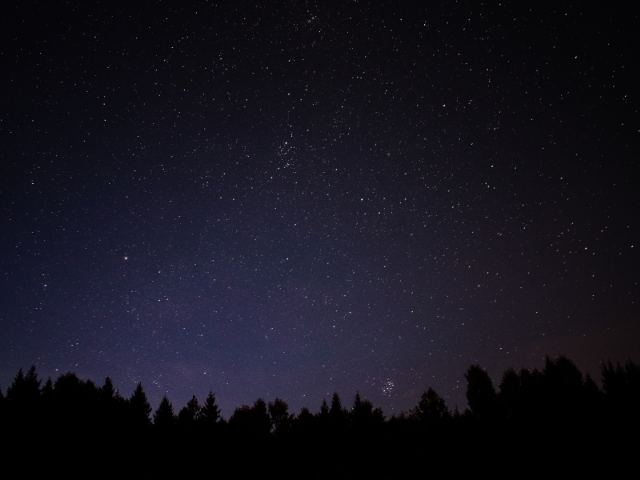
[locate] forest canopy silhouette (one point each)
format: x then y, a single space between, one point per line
554 414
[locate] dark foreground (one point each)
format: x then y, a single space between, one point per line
553 423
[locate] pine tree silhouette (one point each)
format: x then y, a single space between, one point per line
139 409
210 412
324 409
32 385
15 392
190 414
47 390
337 413
107 392
361 413
164 417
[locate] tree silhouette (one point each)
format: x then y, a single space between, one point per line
66 387
279 413
31 384
377 416
431 410
361 412
252 423
336 405
632 372
240 420
620 381
164 417
323 419
552 415
111 405
261 417
481 395
210 413
563 389
189 415
303 425
562 375
107 392
337 413
16 408
15 392
510 394
324 409
24 387
139 408
47 390
305 416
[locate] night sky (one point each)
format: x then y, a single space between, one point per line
291 200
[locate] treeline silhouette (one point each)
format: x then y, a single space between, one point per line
555 421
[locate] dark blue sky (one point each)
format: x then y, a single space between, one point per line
295 200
